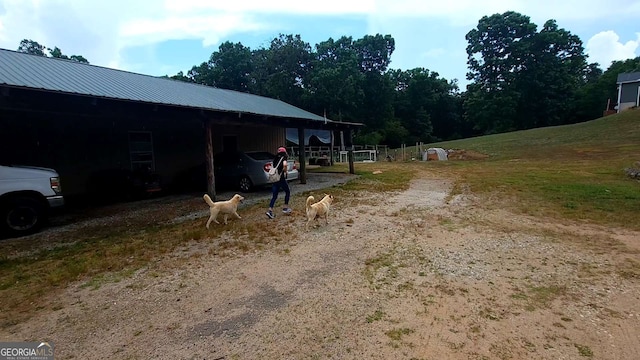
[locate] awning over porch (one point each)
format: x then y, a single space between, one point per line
324 136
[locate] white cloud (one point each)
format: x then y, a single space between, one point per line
606 47
570 10
459 12
468 12
209 28
76 27
326 7
101 30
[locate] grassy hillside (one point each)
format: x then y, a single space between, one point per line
572 171
615 136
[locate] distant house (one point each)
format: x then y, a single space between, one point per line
628 90
85 121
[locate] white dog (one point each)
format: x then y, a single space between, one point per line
319 209
228 207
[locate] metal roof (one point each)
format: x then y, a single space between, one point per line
66 76
628 77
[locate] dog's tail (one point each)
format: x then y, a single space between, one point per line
207 199
309 201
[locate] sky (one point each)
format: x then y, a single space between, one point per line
163 37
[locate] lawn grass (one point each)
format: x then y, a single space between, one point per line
387 177
605 138
573 172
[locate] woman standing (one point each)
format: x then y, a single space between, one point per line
280 161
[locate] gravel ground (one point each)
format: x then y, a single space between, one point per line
78 219
315 181
419 274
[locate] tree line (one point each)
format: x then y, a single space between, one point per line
521 78
33 47
345 79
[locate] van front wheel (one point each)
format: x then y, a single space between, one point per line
22 216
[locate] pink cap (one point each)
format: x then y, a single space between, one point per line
282 150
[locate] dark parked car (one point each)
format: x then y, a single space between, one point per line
247 170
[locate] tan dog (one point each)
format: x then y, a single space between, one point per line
229 207
319 209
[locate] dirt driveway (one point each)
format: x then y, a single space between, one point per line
418 274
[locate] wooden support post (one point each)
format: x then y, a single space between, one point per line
349 136
211 180
303 160
332 143
352 170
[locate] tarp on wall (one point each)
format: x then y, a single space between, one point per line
323 135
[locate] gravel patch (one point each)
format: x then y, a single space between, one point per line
315 181
416 274
123 212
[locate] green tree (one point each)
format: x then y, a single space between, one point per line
260 71
495 56
202 74
181 77
34 48
619 67
446 117
600 88
427 105
228 68
414 94
522 78
553 73
497 48
589 103
335 81
79 58
344 79
31 47
374 56
374 52
395 134
376 107
368 138
283 68
57 53
231 66
490 112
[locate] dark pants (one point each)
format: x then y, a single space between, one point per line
275 189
